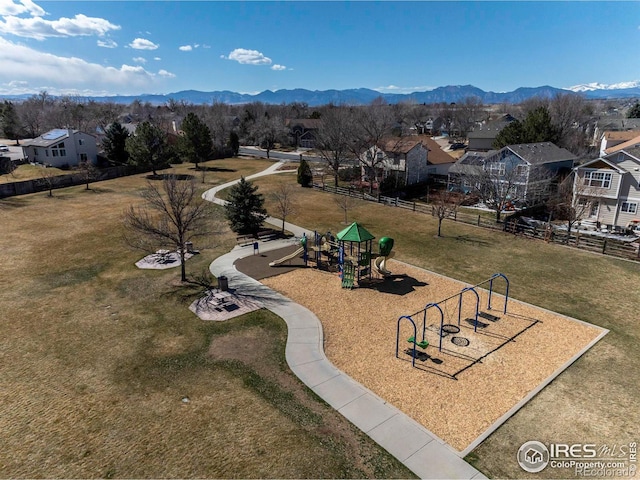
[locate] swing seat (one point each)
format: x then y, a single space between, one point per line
423 344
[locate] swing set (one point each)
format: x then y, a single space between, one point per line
442 308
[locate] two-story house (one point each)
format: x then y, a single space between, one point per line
518 174
608 189
61 147
403 158
303 131
482 137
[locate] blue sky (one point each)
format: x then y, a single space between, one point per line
127 47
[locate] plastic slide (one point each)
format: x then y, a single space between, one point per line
288 257
379 265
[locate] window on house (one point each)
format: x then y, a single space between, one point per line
35 152
521 170
81 141
497 168
380 155
629 207
597 179
58 150
83 157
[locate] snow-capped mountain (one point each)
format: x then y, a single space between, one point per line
590 87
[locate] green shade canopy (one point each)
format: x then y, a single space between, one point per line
354 233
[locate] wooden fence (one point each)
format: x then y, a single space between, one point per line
607 246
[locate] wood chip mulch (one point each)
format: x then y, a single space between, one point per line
448 392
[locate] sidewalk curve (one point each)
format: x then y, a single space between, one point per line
416 447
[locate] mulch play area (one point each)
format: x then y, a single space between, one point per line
458 389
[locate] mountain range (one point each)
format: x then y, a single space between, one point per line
362 96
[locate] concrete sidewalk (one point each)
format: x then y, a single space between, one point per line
416 447
420 450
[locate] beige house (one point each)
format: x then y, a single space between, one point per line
61 147
403 158
608 189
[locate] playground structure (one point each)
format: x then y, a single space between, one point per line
449 323
350 252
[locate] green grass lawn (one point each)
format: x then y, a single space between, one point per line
98 355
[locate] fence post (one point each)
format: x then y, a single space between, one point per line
478 220
414 205
455 216
604 246
378 197
396 201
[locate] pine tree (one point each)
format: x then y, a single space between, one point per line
195 143
114 144
245 210
234 143
9 121
148 148
634 112
305 177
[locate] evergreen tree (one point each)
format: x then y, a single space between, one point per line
115 144
148 148
536 127
245 208
195 143
234 143
305 177
9 121
634 112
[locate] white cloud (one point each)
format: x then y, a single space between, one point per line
30 70
143 44
139 59
107 43
185 48
39 28
10 8
157 59
403 90
249 57
278 67
164 73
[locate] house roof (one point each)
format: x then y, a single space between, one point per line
437 156
621 136
307 123
492 128
354 233
633 151
541 152
625 145
598 162
52 137
403 144
470 163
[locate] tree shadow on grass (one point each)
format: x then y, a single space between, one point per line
165 176
213 169
472 240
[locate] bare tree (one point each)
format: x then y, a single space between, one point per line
573 200
334 138
345 203
445 203
172 215
49 178
505 182
284 197
88 171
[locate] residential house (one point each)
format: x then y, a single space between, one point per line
608 189
61 148
438 161
611 139
403 158
635 141
303 131
481 138
521 172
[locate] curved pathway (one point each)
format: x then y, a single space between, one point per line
415 446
